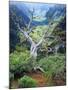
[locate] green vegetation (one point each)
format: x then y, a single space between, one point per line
53 64
37 49
54 67
19 62
27 81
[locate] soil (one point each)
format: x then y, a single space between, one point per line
40 78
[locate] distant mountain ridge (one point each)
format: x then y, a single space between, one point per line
22 10
56 11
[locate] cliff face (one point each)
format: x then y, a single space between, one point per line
56 11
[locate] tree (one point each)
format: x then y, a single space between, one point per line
34 46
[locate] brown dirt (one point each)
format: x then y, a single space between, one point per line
39 77
59 82
42 81
14 84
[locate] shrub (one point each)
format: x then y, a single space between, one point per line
53 65
26 82
11 76
19 62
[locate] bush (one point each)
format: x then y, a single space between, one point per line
26 82
53 64
11 76
19 62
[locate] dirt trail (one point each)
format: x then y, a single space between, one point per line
39 77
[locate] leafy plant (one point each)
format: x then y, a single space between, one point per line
26 82
53 65
19 62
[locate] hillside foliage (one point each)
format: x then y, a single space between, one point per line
50 53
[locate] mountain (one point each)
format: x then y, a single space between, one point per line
16 15
56 12
19 13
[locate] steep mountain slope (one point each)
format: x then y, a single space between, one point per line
55 12
16 16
